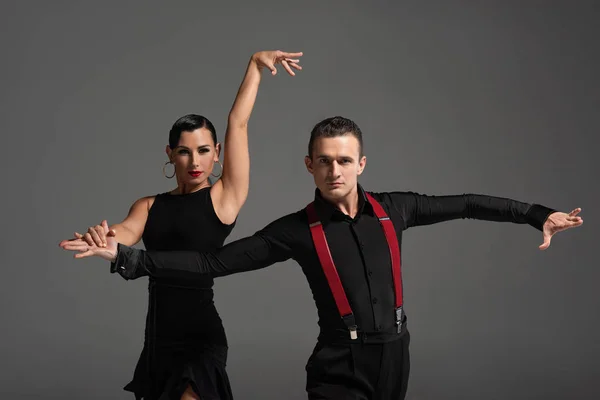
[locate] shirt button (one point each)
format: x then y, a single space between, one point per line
374 300
378 328
370 272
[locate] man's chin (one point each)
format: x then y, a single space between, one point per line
334 192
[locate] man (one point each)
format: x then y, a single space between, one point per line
348 244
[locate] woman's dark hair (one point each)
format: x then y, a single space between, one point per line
189 123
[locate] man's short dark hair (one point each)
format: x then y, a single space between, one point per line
333 127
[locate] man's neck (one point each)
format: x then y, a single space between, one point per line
348 204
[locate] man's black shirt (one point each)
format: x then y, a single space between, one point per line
358 248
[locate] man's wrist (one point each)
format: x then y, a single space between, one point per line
126 261
538 215
119 259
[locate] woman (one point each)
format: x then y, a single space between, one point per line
185 347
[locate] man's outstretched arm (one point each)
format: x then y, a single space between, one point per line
266 247
418 209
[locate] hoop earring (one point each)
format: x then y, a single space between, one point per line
217 176
165 173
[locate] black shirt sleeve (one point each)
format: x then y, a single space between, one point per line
418 209
270 245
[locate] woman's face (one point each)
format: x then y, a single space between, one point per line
194 157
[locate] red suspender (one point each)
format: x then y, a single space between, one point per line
341 300
335 284
392 241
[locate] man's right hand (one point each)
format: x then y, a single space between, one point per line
84 249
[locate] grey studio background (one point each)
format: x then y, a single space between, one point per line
496 97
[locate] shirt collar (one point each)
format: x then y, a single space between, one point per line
327 210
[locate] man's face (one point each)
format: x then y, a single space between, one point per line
335 165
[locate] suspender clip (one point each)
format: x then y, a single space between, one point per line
350 322
353 332
399 314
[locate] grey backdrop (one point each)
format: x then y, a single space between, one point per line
496 97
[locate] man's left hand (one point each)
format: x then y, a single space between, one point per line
559 221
